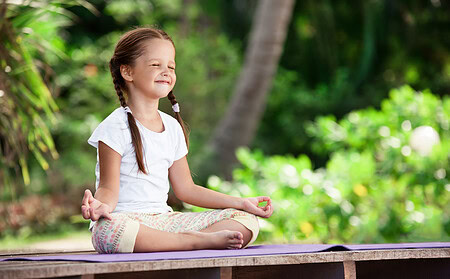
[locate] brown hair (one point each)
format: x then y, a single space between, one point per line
130 47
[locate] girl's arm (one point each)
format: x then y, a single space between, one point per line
185 189
107 194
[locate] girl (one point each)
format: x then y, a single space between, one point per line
139 149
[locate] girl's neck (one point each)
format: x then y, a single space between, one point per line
145 110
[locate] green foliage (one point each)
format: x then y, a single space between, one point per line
25 99
205 80
29 40
291 102
376 186
337 59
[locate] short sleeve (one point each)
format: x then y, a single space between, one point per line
110 133
181 150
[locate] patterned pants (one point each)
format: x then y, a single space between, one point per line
119 235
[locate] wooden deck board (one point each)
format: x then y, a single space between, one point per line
239 265
28 252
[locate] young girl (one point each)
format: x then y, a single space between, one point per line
139 149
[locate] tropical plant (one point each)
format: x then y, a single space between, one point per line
29 36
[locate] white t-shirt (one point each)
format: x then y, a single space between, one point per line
141 192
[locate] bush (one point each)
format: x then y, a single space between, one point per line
40 214
377 185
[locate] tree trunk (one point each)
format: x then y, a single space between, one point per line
248 102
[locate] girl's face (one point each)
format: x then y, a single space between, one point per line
154 72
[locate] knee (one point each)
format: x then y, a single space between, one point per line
251 224
104 234
247 233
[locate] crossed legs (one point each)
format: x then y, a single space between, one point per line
221 235
132 232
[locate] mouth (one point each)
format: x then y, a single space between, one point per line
165 82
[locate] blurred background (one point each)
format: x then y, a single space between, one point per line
338 111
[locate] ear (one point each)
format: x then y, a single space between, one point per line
126 72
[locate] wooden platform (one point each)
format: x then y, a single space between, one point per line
400 263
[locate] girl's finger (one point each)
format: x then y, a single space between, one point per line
91 197
266 213
263 198
270 211
262 212
94 215
269 202
107 216
85 212
91 212
86 197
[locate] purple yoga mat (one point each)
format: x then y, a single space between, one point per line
258 250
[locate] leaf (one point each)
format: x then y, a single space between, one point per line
24 167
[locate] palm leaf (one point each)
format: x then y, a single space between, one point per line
27 103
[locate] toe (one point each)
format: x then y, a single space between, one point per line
236 241
238 235
236 246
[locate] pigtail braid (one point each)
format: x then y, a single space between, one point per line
173 101
135 135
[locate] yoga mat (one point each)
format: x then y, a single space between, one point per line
257 250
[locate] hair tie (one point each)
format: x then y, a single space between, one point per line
176 108
127 109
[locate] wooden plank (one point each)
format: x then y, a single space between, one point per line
405 268
226 272
86 276
349 270
89 276
301 271
48 269
319 257
21 264
200 273
19 253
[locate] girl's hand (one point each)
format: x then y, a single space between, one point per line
94 209
251 206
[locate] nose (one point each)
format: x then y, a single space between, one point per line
165 71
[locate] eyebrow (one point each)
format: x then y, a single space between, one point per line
150 59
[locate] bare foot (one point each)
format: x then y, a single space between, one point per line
220 240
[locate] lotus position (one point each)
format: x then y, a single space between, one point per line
139 149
